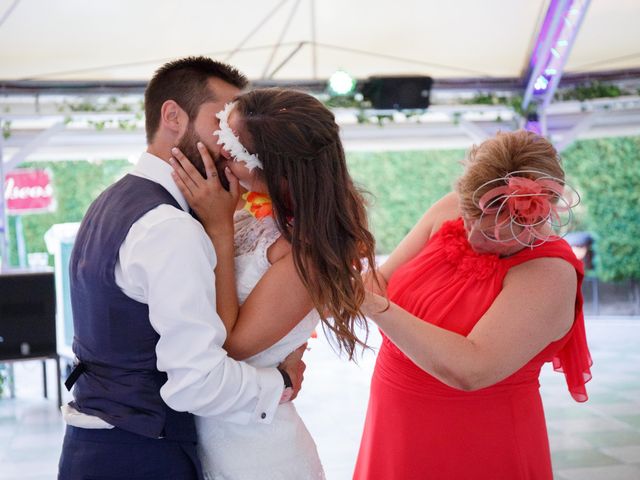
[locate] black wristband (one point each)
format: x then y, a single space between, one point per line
287 379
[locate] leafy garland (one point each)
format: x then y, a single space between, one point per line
582 92
514 102
112 105
591 90
6 129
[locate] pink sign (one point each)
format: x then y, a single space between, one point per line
28 191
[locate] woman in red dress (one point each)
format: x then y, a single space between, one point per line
481 293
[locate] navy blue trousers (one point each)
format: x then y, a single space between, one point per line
103 454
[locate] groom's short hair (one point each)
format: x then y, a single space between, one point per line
185 81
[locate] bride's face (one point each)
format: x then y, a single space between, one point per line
249 179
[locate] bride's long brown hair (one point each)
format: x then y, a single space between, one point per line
316 205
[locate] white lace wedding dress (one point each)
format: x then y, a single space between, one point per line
283 449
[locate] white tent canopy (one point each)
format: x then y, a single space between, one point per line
68 42
127 40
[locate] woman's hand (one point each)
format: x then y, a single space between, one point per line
295 367
375 304
206 196
375 282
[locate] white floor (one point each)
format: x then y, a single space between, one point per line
592 441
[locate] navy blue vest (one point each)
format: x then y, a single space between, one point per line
113 338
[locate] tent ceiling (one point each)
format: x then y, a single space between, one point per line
479 45
609 38
127 40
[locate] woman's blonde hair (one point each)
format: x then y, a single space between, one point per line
496 157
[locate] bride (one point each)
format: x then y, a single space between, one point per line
288 258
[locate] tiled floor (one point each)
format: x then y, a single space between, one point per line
599 439
596 440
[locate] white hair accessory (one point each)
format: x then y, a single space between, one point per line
231 142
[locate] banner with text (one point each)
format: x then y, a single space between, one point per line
28 191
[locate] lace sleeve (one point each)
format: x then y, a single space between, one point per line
253 235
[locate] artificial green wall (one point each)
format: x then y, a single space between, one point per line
607 174
404 184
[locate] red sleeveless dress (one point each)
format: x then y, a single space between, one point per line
419 428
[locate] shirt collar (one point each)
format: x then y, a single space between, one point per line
157 170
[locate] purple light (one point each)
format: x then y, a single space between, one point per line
565 35
552 47
544 32
533 126
541 83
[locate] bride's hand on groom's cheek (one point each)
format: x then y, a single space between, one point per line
213 205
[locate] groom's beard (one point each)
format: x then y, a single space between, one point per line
187 146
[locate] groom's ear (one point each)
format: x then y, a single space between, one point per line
173 118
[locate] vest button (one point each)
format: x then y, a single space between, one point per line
263 415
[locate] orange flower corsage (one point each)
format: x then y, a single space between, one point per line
258 204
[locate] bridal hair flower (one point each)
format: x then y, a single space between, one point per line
258 204
231 142
525 208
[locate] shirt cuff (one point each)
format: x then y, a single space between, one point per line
78 419
271 388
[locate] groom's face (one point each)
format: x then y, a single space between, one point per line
202 127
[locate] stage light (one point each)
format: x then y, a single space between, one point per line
341 83
552 48
541 83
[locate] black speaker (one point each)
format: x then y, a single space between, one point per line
27 314
398 93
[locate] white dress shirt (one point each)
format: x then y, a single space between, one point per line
167 262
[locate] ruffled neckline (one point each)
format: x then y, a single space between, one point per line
458 252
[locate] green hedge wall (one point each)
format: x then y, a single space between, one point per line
607 175
404 184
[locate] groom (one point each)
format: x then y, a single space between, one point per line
147 336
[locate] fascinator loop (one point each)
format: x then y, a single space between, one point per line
526 211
